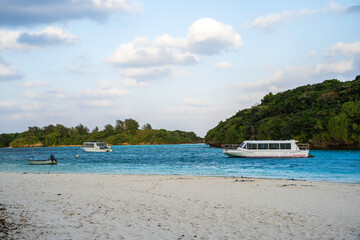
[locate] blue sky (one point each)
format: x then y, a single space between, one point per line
182 65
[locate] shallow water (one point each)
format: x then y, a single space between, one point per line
188 159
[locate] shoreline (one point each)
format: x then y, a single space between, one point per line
124 144
179 175
155 144
185 176
88 206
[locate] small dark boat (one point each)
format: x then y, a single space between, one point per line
50 161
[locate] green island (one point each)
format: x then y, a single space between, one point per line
125 132
325 115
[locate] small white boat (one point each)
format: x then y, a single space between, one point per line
96 147
270 148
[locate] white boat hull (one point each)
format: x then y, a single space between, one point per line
266 154
97 150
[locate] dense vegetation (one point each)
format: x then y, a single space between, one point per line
124 132
326 115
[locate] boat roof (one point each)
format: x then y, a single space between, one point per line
270 141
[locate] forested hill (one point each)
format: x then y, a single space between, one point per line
326 115
122 133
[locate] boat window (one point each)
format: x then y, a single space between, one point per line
263 146
274 146
251 146
285 145
241 145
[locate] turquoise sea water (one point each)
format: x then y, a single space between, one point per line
191 159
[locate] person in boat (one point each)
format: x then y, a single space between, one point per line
52 158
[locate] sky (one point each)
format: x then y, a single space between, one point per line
178 65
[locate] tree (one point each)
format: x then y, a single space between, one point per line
96 129
61 129
48 129
131 124
33 131
5 139
81 129
108 129
146 126
119 125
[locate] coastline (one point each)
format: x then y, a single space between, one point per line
123 144
83 206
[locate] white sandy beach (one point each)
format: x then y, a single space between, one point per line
87 206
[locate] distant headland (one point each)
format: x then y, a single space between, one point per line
127 132
326 115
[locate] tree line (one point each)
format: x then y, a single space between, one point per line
126 131
326 115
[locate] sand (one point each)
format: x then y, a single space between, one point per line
89 206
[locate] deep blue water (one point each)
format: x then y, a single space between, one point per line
192 159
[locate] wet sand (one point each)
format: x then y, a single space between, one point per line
89 206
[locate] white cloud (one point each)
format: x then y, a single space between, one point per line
224 65
142 52
8 72
196 102
144 60
270 20
312 54
31 94
344 49
104 84
8 40
251 98
29 84
102 93
151 73
22 40
267 21
188 106
167 40
15 106
146 73
129 82
335 7
340 67
339 9
97 103
290 77
118 5
207 36
7 104
267 83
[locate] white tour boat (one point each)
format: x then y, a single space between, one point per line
269 148
96 147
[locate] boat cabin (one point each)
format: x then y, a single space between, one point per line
273 145
96 147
